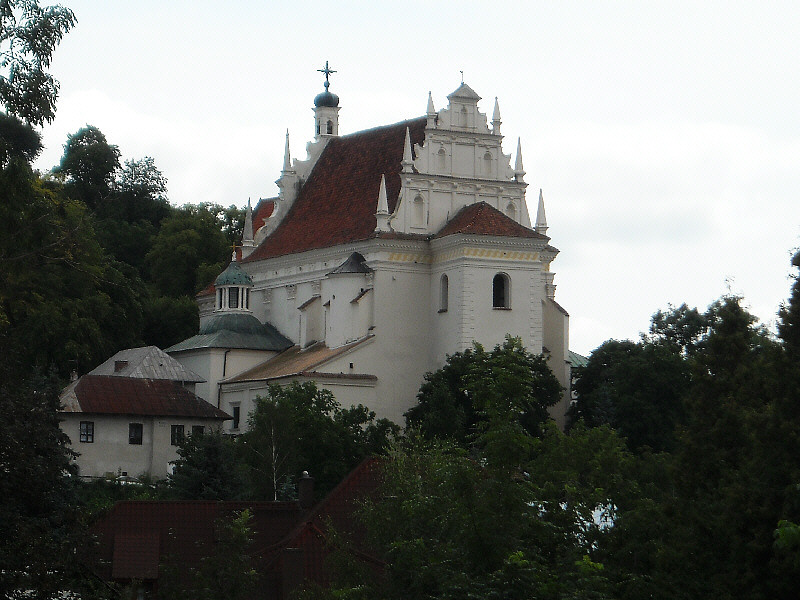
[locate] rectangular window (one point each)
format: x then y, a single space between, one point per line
236 413
135 433
198 430
87 432
176 435
233 297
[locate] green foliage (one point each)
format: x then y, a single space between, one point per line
636 388
89 164
38 520
508 386
167 320
302 428
188 252
29 34
449 527
789 315
225 572
207 469
18 140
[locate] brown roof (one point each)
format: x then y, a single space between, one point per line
337 203
295 361
105 394
262 212
483 219
135 536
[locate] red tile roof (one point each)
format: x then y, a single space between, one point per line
106 394
483 219
262 212
337 203
135 536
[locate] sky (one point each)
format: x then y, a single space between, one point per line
665 135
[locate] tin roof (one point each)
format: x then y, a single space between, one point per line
147 362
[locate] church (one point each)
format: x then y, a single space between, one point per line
385 250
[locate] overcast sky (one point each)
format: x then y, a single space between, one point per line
666 136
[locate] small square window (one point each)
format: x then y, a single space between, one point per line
135 433
176 435
198 430
87 432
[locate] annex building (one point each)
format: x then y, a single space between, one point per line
385 251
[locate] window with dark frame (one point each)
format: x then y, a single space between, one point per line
500 291
198 430
135 433
87 432
236 413
176 435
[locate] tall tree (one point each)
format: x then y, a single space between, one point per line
476 386
29 34
89 163
299 428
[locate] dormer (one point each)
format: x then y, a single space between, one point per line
233 287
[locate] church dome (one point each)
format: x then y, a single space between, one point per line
326 99
233 322
233 275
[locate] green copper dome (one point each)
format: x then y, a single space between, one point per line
233 275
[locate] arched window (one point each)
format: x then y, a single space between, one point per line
441 158
419 212
487 163
501 291
443 293
511 210
330 126
463 119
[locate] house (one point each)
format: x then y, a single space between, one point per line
385 251
127 416
288 547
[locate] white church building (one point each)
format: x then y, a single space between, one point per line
385 251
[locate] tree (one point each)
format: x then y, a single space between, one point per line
225 572
636 388
187 253
39 526
29 34
450 527
302 428
789 315
207 469
89 163
475 386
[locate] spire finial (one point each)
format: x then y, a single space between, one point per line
462 76
327 70
519 170
541 218
382 214
408 161
496 117
287 159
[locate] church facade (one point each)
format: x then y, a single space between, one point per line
385 251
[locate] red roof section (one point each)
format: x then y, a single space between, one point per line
263 211
484 219
337 203
106 394
288 545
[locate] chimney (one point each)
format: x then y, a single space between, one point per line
305 491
